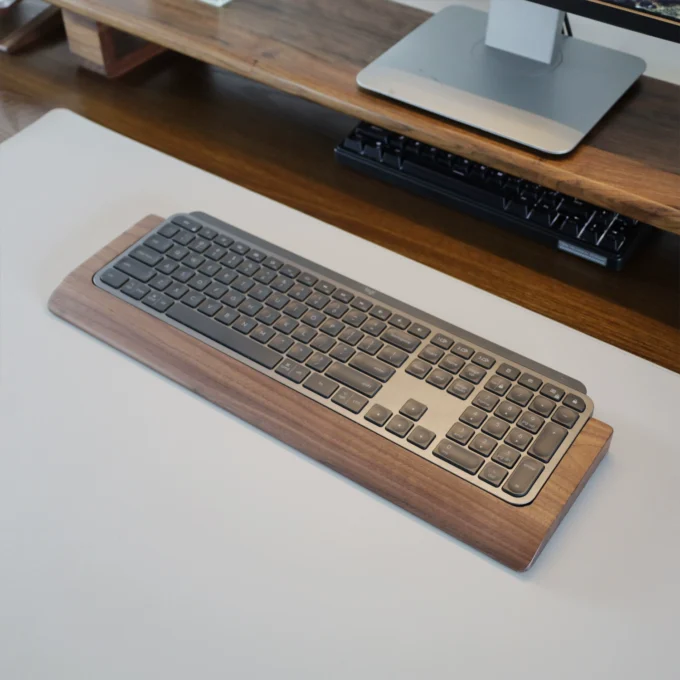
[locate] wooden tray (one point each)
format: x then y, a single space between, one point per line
510 534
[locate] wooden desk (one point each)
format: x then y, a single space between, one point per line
281 146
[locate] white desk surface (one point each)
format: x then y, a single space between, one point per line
145 533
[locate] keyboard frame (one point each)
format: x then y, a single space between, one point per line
415 388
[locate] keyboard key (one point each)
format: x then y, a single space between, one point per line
301 293
168 230
354 318
176 291
159 302
194 261
552 392
224 336
193 299
215 252
439 378
318 362
523 478
186 223
413 409
460 433
240 248
216 291
321 385
167 267
146 256
518 438
300 353
158 243
370 366
292 370
232 260
381 313
289 271
199 245
418 368
350 400
332 327
370 345
451 363
304 334
294 309
393 356
508 371
324 287
419 331
209 307
520 395
431 354
244 325
256 255
351 336
565 416
264 276
183 238
575 402
497 385
473 416
318 301
272 263
463 350
136 270
483 444
226 276
400 321
343 295
530 381
227 316
323 343
277 301
399 426
342 352
442 341
263 334
373 327
506 456
199 282
508 411
486 401
495 427
400 339
378 415
114 278
283 284
243 284
281 343
361 304
458 456
484 360
542 406
461 389
208 232
473 374
209 268
421 437
233 298
531 422
548 442
260 292
223 241
354 379
493 474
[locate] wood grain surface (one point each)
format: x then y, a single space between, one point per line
281 146
315 48
510 534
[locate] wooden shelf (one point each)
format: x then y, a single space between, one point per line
314 49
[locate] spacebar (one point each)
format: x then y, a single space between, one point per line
227 337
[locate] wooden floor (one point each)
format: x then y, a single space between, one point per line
281 146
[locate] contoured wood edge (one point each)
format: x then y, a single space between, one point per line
512 535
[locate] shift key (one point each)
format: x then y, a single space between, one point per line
353 379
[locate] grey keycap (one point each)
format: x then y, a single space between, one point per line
342 352
292 370
199 245
321 385
227 316
319 362
240 248
281 343
186 223
158 243
168 230
333 327
209 307
381 313
208 232
370 345
473 374
209 268
183 274
376 369
431 354
439 378
451 363
508 411
493 474
530 381
265 276
215 252
135 269
484 360
178 252
495 427
193 260
160 302
473 416
508 371
463 350
314 318
442 341
565 416
400 321
400 339
193 299
548 442
232 260
249 307
294 309
262 334
373 327
419 331
146 256
324 287
486 400
200 282
361 304
542 405
393 356
336 309
343 295
351 336
378 415
289 270
304 334
244 325
260 292
520 395
523 478
418 368
216 291
483 444
354 379
298 292
226 276
498 385
575 402
460 388
282 283
350 400
531 422
519 439
552 392
354 318
223 240
506 456
299 353
256 255
277 301
458 456
460 433
233 298
413 409
399 426
421 437
184 238
323 343
114 278
243 284
273 263
167 266
318 301
176 291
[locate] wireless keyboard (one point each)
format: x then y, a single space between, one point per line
571 225
499 421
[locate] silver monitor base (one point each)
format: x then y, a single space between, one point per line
445 67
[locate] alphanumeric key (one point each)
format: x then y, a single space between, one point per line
244 324
200 282
393 356
508 411
277 301
473 416
176 290
167 266
373 327
209 268
336 309
378 415
325 287
342 352
282 283
286 325
318 362
495 427
565 416
227 316
184 238
463 350
272 263
508 371
199 245
333 327
256 255
318 300
233 298
418 368
292 370
193 260
226 276
135 289
506 456
210 307
498 385
343 295
451 363
193 299
439 378
460 388
314 318
473 374
370 345
135 269
361 304
260 292
460 433
232 260
298 292
160 282
323 343
158 301
531 422
114 278
354 318
483 444
520 395
300 353
304 334
486 401
543 406
268 316
215 291
307 279
419 330
442 341
518 438
381 313
216 252
430 353
240 248
530 381
208 232
289 270
294 309
168 230
281 343
223 241
250 307
400 321
243 284
351 336
265 276
263 334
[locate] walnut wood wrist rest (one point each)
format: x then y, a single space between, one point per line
510 534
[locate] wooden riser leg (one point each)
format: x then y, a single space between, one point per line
25 22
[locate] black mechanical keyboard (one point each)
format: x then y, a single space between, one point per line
499 420
571 225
